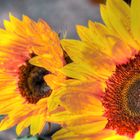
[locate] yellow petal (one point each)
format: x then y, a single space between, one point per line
107 134
89 58
121 52
7 123
135 18
116 15
117 137
66 118
72 69
119 15
100 32
81 98
84 33
137 136
74 48
79 132
22 125
43 61
104 15
37 124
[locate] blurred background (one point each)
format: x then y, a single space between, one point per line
62 15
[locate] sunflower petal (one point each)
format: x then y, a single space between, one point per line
22 125
37 124
137 136
135 16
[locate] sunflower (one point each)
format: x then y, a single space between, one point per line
24 90
102 98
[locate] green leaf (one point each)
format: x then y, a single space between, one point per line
28 138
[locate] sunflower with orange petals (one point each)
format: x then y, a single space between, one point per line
26 86
102 98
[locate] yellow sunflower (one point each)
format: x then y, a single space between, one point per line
24 92
102 98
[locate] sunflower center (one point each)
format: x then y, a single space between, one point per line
134 97
31 83
122 98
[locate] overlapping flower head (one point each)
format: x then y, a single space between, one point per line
103 93
26 86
